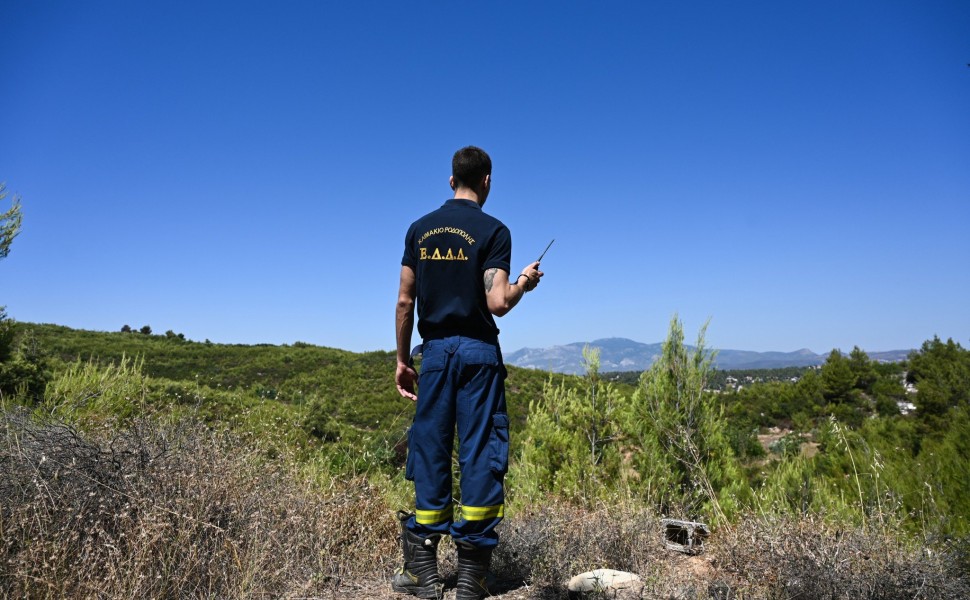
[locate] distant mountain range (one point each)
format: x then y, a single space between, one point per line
621 354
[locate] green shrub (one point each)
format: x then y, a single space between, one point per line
87 390
679 434
572 440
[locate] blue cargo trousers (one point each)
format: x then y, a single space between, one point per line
462 384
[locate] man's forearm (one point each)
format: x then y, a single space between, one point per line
501 294
404 323
513 294
404 314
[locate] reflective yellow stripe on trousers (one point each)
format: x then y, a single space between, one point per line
430 517
482 513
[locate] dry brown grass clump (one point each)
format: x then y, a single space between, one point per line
174 512
787 558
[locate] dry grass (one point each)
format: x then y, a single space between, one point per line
785 558
174 512
179 511
547 545
760 557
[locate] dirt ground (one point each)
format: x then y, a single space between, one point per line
696 568
381 589
808 448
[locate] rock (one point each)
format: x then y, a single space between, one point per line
617 584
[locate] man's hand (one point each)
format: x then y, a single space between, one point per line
532 274
405 378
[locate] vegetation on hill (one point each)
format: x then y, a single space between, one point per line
150 465
326 400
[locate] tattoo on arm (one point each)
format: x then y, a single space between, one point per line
489 276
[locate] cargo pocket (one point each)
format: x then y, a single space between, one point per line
409 463
499 444
431 364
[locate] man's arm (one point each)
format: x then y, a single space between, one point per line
403 325
502 295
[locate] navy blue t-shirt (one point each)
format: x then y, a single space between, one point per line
450 249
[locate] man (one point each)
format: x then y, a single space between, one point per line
456 265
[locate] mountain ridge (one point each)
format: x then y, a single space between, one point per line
623 354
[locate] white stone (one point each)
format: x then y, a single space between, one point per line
602 580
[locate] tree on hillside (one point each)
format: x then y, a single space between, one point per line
9 228
941 373
146 330
862 368
840 388
6 335
809 399
23 369
572 438
10 222
838 379
684 451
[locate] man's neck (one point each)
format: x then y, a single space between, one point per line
464 193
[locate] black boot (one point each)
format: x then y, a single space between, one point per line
419 575
472 571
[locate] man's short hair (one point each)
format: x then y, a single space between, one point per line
469 166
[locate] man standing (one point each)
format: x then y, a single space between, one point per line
456 266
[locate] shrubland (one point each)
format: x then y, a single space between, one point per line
139 465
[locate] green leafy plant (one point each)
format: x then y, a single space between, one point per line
572 440
679 433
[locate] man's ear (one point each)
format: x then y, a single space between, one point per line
451 182
487 182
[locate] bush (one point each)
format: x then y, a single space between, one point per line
23 366
91 391
320 422
173 512
808 557
572 439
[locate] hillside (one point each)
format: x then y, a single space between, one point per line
358 388
152 466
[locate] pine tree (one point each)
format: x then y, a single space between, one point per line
683 449
572 438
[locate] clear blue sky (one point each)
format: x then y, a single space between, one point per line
799 172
